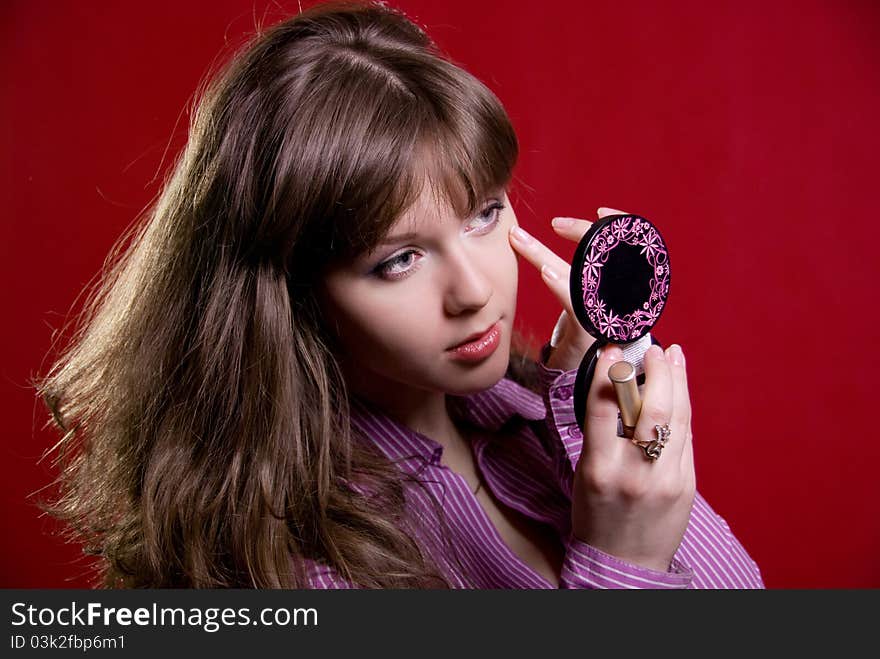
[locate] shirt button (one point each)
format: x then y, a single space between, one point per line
563 392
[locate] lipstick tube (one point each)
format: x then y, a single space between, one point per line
623 376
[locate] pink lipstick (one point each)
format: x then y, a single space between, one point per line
479 348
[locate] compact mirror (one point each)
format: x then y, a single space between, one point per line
619 286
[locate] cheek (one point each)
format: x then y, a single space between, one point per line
379 326
505 267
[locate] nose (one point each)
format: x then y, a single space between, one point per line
467 288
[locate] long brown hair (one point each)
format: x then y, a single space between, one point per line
206 436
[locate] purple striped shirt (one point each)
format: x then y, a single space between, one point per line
533 478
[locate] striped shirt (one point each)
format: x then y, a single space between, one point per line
526 454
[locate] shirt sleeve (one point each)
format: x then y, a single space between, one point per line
709 556
322 576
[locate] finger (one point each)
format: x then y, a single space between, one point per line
604 211
657 397
554 271
570 228
681 402
600 419
681 407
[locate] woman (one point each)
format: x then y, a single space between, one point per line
269 387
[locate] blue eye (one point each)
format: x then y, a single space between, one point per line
387 269
491 213
400 266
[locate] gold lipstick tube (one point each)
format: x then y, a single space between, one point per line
623 376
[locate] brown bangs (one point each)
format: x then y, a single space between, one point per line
466 149
454 140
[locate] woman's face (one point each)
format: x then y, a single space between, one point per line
397 311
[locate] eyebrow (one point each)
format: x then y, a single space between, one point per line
401 237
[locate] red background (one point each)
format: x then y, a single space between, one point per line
747 131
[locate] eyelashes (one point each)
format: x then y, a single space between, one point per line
492 211
399 266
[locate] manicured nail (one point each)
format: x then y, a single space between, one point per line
675 354
656 352
522 236
562 222
549 272
613 353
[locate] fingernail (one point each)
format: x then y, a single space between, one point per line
676 354
562 222
522 236
656 352
609 211
549 272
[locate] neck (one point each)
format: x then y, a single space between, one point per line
428 415
423 411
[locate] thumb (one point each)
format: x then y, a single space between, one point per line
559 330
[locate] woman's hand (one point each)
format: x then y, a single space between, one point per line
622 503
569 339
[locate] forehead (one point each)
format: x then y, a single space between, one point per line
422 218
430 207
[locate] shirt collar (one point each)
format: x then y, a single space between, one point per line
494 407
489 410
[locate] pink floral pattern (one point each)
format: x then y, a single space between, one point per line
638 233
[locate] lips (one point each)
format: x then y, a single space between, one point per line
472 337
478 350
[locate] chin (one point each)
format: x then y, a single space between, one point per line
482 376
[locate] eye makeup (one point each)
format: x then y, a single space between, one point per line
493 212
619 286
384 269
